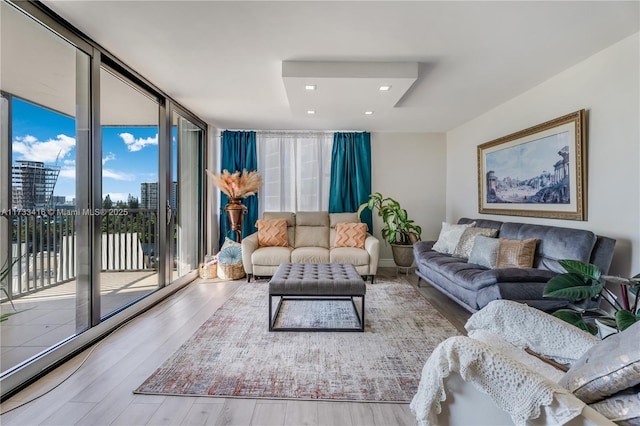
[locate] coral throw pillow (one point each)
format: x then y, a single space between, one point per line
272 233
516 253
351 235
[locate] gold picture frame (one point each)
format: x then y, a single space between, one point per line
533 172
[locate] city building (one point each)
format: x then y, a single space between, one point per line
32 184
149 195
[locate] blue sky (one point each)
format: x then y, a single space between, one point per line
129 157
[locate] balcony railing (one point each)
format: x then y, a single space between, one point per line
46 246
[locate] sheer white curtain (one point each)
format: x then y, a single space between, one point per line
295 169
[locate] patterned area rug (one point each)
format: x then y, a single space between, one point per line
233 354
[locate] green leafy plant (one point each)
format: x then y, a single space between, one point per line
584 285
398 229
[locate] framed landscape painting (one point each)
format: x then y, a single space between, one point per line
539 171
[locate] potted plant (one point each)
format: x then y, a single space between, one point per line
584 285
399 231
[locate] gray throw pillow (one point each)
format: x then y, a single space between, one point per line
465 244
609 367
484 251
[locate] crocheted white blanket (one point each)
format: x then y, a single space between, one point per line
520 389
513 387
527 327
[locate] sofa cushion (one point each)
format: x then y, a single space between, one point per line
312 229
513 275
271 256
272 233
288 216
481 223
554 243
449 236
351 235
312 236
312 219
354 256
516 253
336 218
465 244
484 251
310 255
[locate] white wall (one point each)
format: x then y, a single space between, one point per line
607 85
410 168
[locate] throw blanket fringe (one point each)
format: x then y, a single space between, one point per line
513 387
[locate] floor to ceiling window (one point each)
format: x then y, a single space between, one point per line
42 92
130 195
90 223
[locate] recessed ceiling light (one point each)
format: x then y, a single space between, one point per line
311 112
368 113
384 88
310 87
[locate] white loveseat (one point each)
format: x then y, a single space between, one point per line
311 238
496 375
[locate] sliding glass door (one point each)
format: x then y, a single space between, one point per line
100 192
130 195
45 297
186 200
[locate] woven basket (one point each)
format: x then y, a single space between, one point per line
231 271
211 271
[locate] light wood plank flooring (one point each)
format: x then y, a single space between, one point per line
99 392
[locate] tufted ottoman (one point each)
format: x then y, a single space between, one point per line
316 281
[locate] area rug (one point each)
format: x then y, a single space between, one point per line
234 355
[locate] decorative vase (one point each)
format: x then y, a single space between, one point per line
402 255
235 213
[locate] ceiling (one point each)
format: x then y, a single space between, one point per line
224 60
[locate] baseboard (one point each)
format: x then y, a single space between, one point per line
386 263
389 263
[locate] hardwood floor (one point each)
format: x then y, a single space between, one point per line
99 392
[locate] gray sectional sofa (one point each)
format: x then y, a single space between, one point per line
474 286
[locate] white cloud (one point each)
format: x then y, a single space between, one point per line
136 144
110 156
31 149
117 175
67 172
69 162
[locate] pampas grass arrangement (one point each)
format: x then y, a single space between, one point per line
237 185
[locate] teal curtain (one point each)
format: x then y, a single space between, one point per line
351 174
239 153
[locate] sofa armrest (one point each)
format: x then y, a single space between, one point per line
249 245
527 327
372 246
